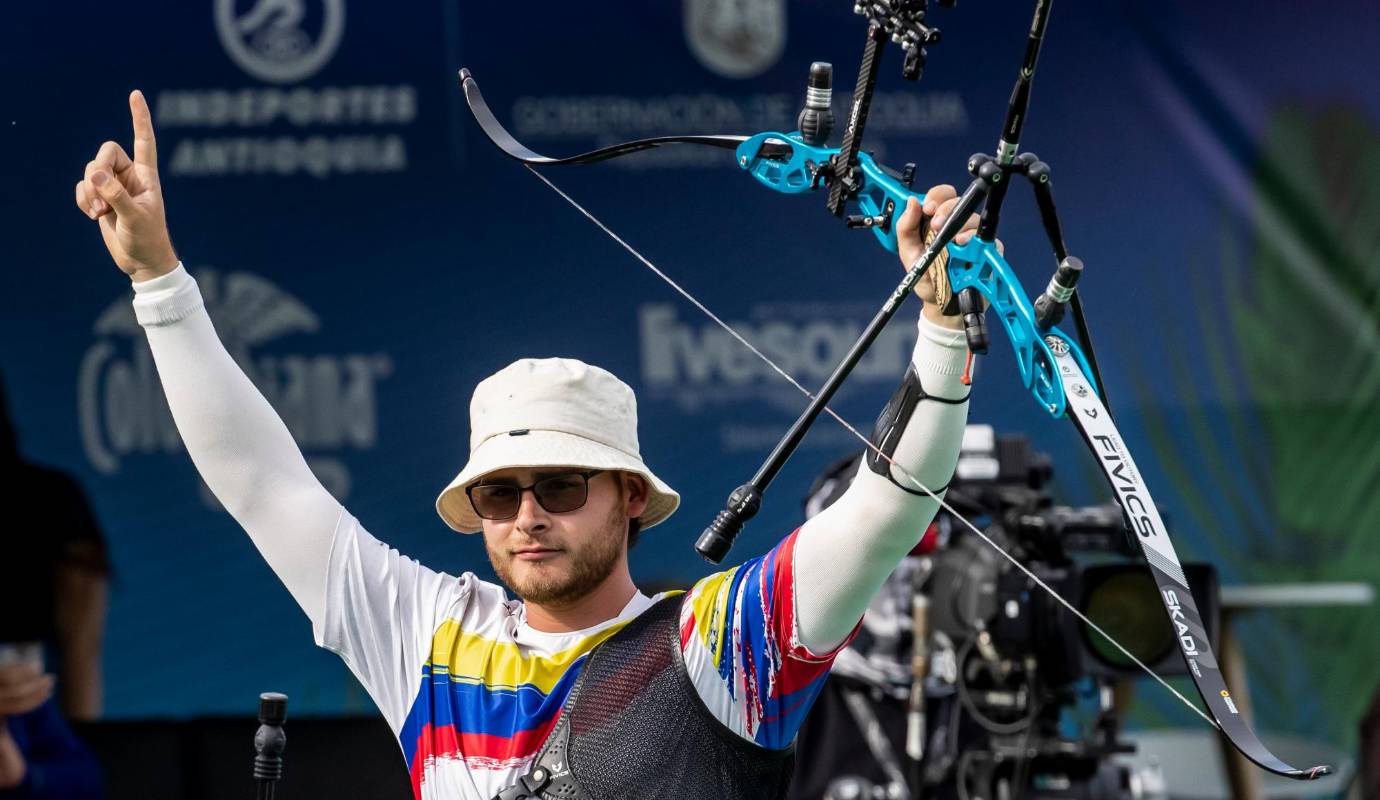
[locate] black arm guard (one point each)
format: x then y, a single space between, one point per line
892 423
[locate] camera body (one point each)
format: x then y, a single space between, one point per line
1019 690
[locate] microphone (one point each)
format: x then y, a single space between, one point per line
269 743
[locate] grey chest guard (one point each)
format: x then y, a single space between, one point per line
634 726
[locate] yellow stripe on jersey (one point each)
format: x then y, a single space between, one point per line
711 603
470 658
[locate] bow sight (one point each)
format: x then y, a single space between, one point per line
903 23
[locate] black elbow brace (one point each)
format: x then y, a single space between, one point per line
892 423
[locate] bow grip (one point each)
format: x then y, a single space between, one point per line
883 196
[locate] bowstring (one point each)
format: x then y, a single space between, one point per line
867 443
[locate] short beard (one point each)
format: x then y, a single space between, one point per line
589 567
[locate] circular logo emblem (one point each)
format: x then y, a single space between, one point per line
736 38
1057 346
1080 390
280 41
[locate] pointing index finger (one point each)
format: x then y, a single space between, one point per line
145 147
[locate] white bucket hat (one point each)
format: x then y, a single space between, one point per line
548 412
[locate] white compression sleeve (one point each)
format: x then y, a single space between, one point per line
242 449
845 553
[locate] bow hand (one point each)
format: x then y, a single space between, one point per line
923 217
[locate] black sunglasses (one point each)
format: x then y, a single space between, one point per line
557 494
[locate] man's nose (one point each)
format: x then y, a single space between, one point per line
531 516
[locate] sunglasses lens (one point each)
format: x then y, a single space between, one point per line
561 493
495 502
557 494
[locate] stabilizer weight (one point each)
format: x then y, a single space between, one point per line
974 320
718 538
1049 306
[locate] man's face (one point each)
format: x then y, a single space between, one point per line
554 559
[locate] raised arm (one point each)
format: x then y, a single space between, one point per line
844 554
242 449
758 639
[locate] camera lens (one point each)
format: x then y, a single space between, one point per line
1127 606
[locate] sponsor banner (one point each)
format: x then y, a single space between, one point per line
278 118
329 401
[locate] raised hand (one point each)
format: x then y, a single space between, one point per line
124 196
911 240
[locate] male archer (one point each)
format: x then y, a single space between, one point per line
581 686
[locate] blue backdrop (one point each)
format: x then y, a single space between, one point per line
369 257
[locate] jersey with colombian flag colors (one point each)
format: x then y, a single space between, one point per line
471 690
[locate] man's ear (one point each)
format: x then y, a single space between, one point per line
635 487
